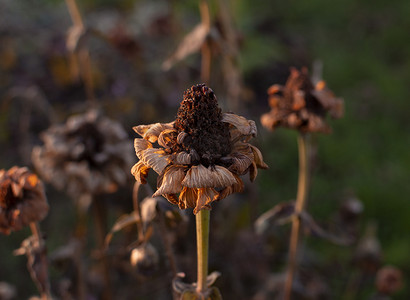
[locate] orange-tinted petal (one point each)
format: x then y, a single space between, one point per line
205 197
182 158
172 198
151 132
235 188
253 172
155 158
245 127
140 172
188 197
166 137
222 177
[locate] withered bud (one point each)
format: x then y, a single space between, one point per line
389 280
22 199
145 259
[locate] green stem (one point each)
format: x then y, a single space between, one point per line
202 238
303 187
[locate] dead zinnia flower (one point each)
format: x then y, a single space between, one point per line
22 199
201 154
301 105
88 155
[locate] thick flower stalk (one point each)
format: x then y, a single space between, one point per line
22 199
301 105
200 155
89 154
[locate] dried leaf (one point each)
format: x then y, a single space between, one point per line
277 215
122 222
192 42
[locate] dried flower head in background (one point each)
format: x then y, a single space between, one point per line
22 199
389 280
202 153
301 105
89 154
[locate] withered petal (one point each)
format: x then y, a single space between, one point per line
240 163
205 197
141 145
245 127
182 158
222 177
151 132
257 154
253 172
235 188
172 198
171 181
188 197
165 138
198 177
298 100
140 172
155 158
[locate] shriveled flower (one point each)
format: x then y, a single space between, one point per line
301 105
200 155
22 199
89 154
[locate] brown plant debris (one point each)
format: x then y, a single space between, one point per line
201 154
301 105
22 199
89 154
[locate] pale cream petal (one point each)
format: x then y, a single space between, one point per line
151 132
245 127
222 177
140 172
141 145
258 158
205 197
198 177
166 137
188 197
171 181
182 158
155 158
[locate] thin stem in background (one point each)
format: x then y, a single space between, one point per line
101 231
302 193
202 238
137 209
206 55
80 61
45 288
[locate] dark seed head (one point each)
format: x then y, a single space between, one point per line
201 119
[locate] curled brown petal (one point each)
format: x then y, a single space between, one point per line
171 181
141 145
140 172
151 132
240 163
257 154
188 197
253 172
205 197
245 127
181 136
172 198
166 137
298 100
237 187
155 158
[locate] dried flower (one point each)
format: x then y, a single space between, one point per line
145 259
22 199
202 153
301 105
87 155
389 280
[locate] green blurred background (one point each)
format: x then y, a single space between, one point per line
364 47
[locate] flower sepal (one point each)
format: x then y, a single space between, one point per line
188 291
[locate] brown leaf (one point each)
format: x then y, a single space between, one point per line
122 222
